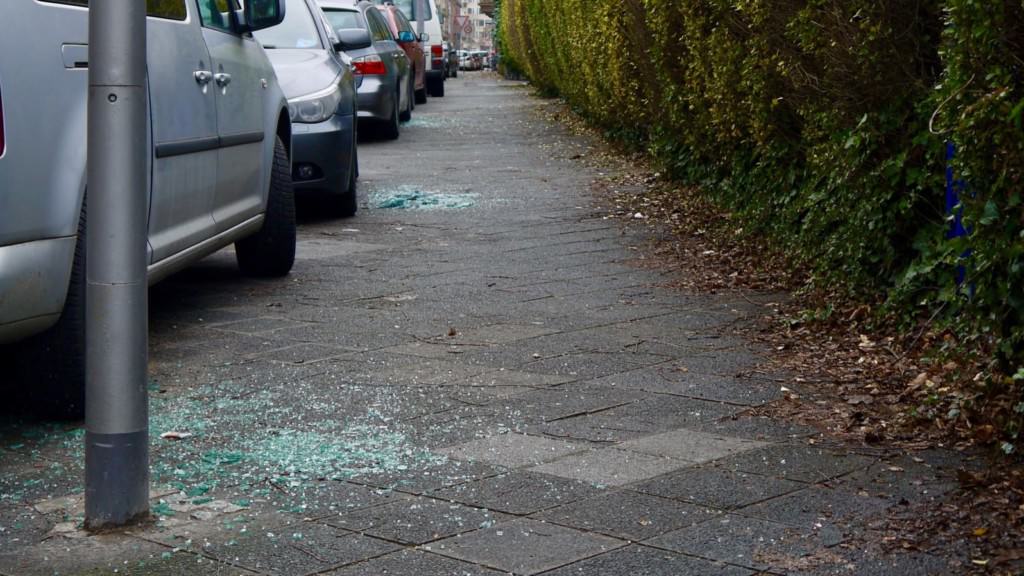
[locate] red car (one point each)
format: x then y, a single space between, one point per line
406 37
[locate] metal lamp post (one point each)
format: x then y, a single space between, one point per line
116 419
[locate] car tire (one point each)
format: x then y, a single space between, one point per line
348 202
271 251
421 95
407 113
455 73
54 361
390 130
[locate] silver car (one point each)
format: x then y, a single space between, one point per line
383 72
219 139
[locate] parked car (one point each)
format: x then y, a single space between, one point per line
383 71
412 43
218 146
321 92
425 12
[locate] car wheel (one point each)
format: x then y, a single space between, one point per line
407 113
390 128
421 95
348 202
271 251
54 361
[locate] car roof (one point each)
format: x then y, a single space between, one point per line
338 5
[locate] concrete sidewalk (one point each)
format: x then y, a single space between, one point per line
472 376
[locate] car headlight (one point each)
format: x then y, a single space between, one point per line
315 107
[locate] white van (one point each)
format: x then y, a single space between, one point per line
426 20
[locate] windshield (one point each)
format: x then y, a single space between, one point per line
297 30
409 8
343 19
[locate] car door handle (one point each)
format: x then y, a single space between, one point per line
222 79
202 77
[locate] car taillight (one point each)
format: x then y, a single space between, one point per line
369 65
435 51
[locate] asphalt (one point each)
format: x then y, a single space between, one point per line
474 375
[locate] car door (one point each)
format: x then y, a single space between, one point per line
239 85
392 54
184 127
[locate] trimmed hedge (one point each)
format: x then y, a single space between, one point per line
823 124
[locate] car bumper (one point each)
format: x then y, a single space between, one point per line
34 280
375 98
321 155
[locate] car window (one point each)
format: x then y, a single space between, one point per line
167 9
411 7
402 22
342 19
298 30
378 28
216 14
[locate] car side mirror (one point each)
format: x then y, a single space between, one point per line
406 36
352 39
424 37
260 14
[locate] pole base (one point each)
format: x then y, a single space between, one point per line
116 479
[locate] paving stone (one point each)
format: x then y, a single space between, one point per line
592 365
815 506
568 401
524 546
512 450
899 481
667 379
502 333
610 466
415 521
303 353
103 554
796 462
430 478
258 325
331 497
519 492
643 561
690 445
748 542
717 487
515 378
414 563
298 549
626 514
760 428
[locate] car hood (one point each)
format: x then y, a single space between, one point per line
301 72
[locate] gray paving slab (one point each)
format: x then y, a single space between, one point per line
434 476
524 546
752 543
415 520
611 466
627 515
816 506
297 549
519 492
717 487
802 462
644 561
512 450
414 563
691 445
